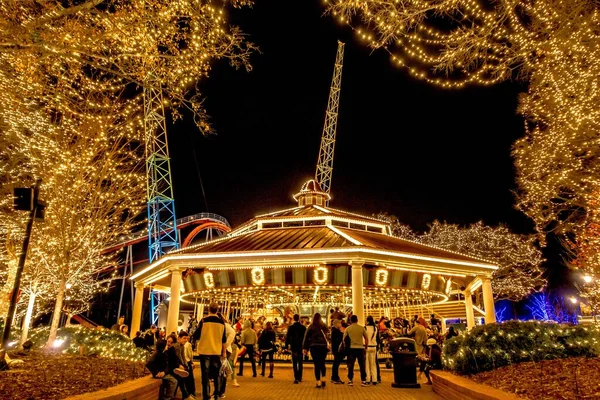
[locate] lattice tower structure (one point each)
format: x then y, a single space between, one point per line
163 234
325 163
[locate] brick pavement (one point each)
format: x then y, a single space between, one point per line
281 387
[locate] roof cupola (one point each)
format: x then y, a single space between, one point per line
311 194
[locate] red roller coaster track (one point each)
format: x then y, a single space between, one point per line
203 220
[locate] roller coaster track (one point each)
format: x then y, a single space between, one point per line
204 220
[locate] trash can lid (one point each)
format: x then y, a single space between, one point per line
402 344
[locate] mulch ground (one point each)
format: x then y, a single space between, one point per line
56 376
563 379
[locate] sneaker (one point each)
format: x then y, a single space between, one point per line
378 380
222 396
337 382
364 383
190 397
350 383
296 382
373 383
181 372
236 384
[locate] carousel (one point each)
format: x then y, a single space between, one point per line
312 258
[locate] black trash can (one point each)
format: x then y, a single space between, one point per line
404 357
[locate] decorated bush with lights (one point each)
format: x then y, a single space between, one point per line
492 346
89 342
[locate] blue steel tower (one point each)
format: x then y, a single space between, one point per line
163 235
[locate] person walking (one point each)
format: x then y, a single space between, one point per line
338 354
371 353
248 340
266 346
358 344
315 340
211 337
230 332
294 340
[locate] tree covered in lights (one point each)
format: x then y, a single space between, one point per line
518 256
92 172
584 256
553 45
52 51
71 80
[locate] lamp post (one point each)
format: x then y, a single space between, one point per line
26 199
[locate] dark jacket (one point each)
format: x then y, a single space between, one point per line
336 339
435 359
295 336
266 341
150 339
158 363
315 337
172 359
139 342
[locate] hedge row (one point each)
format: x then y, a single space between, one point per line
492 346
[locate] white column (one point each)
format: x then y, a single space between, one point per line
173 315
136 316
358 301
488 301
443 325
469 309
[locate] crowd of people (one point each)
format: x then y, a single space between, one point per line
223 347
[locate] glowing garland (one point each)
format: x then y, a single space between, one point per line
381 277
258 276
321 275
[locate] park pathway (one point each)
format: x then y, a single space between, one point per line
281 387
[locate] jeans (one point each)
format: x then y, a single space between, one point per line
297 361
250 354
263 358
209 368
318 354
353 355
371 364
337 360
167 388
190 382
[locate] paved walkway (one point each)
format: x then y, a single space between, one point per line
281 387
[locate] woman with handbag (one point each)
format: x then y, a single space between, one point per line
315 340
266 346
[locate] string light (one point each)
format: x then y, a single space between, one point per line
381 277
518 256
321 275
425 282
209 280
552 45
71 89
258 276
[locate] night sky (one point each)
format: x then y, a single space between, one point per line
403 146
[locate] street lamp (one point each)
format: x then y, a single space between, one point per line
573 300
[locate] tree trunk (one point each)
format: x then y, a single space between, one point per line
60 297
27 321
68 320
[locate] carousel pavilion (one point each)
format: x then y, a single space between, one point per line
311 258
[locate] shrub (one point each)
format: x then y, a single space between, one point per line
491 346
91 342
